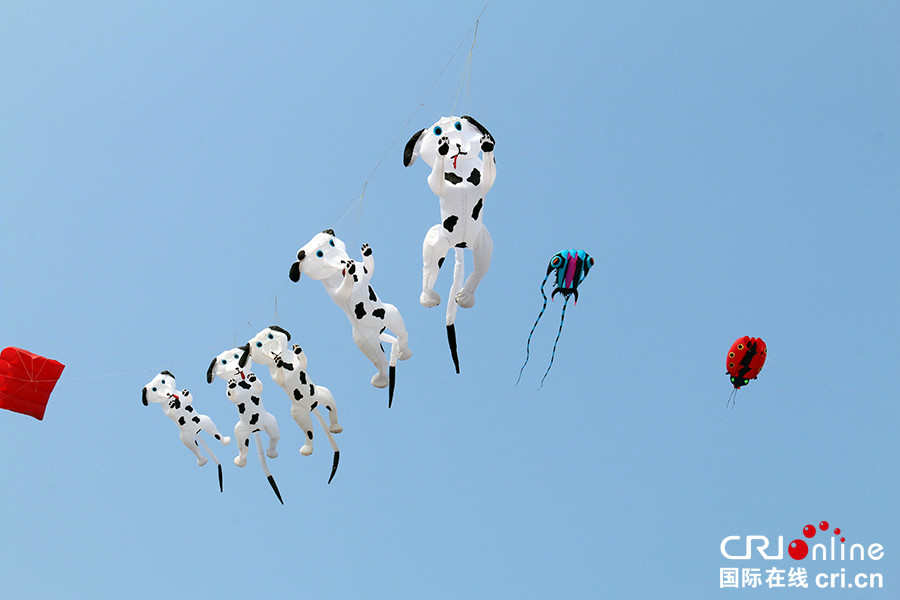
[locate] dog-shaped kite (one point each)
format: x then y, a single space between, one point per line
461 179
244 391
177 406
325 258
287 366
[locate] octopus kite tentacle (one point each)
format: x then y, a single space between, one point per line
540 314
558 333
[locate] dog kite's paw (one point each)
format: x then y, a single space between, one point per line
465 299
272 453
335 428
350 269
240 461
366 250
404 353
226 440
306 450
429 298
202 460
379 380
487 143
444 146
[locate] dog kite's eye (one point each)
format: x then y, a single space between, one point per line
438 131
331 243
162 381
153 389
224 362
259 344
319 253
236 356
458 126
271 337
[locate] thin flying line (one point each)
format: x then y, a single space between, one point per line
358 196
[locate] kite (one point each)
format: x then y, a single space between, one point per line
26 381
461 179
244 390
571 267
746 358
324 258
287 367
177 406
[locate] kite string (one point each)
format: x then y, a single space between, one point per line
356 199
211 348
360 193
466 79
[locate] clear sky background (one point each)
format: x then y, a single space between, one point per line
733 168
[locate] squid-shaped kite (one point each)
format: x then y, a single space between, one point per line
571 267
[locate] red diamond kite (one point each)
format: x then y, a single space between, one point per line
26 380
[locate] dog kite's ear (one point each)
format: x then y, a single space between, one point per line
144 397
329 231
295 268
411 151
481 129
167 373
209 371
245 354
284 331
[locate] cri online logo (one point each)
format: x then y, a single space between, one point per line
798 549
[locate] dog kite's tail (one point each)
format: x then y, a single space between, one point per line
215 460
265 467
334 446
459 275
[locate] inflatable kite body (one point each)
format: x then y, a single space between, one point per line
347 281
177 406
287 367
745 360
244 391
461 179
571 267
26 381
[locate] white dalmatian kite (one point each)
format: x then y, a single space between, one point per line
244 390
177 406
287 366
325 259
461 179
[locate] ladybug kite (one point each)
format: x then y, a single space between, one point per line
746 358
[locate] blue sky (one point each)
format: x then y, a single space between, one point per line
732 167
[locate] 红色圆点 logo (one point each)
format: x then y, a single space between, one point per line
799 566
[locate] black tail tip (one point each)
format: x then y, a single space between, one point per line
451 337
220 478
275 488
334 464
392 378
